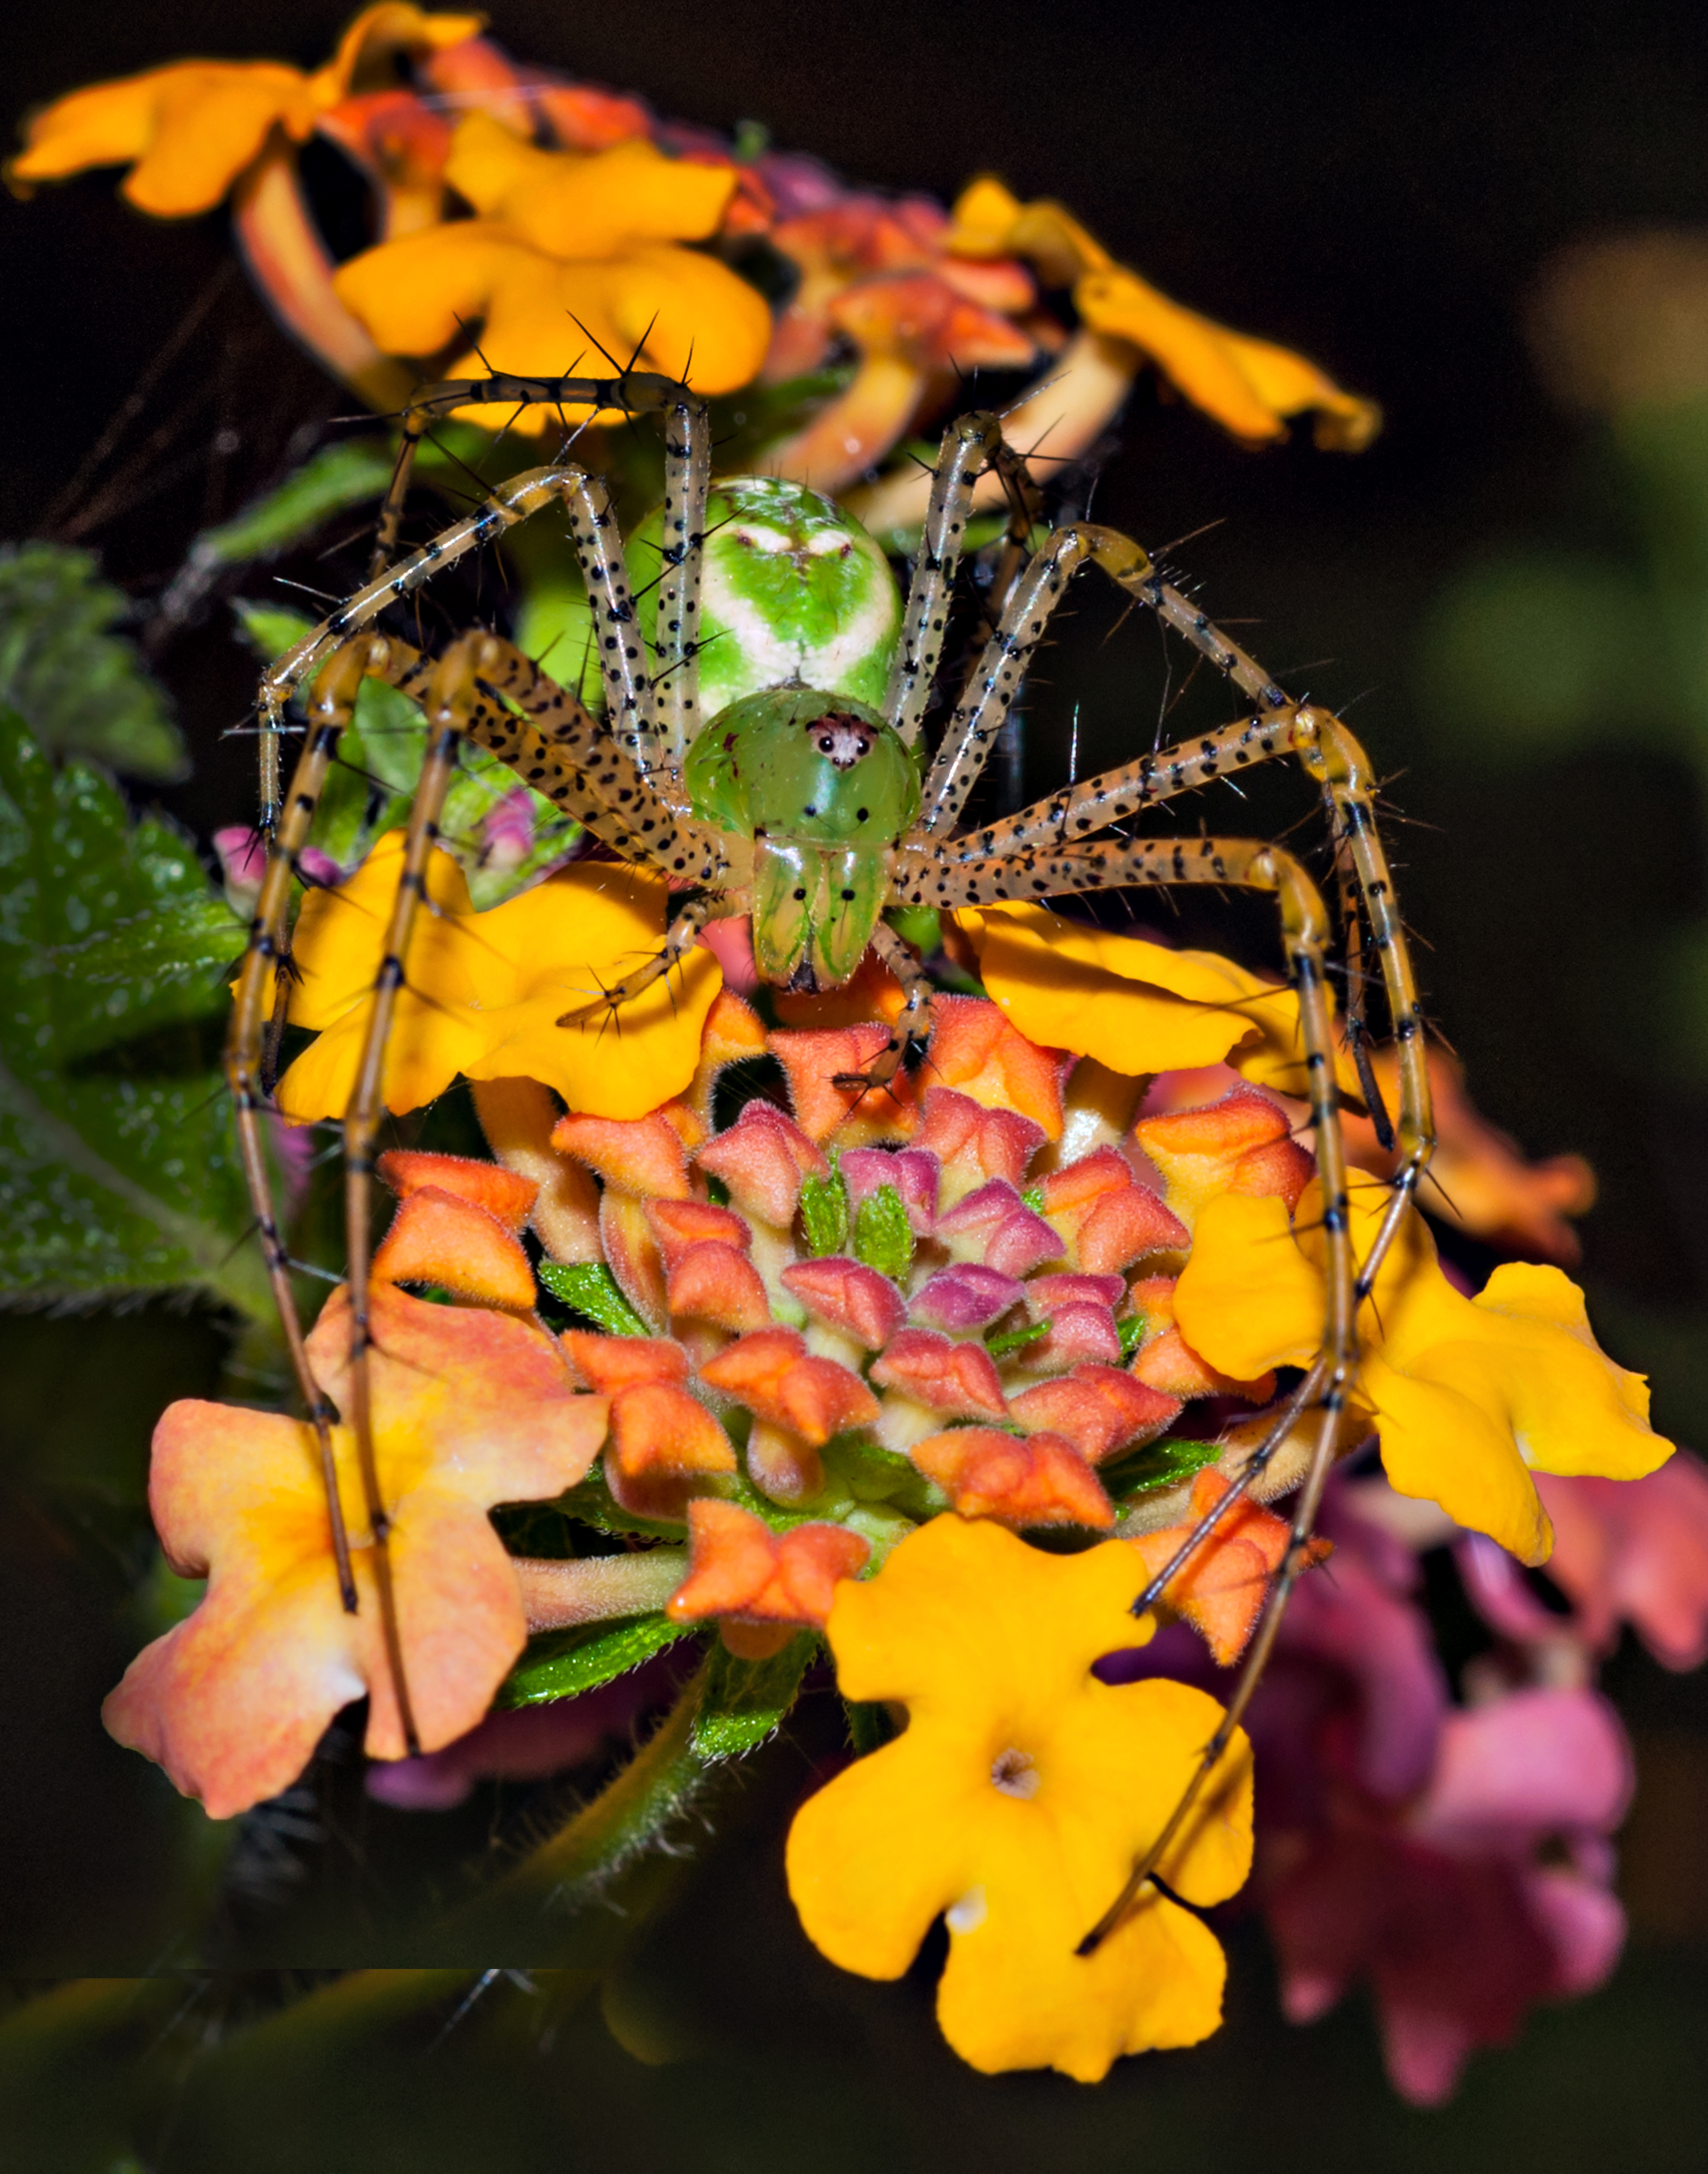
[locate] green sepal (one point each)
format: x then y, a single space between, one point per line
1130 1328
1034 1199
882 1236
562 1665
118 1164
824 1214
80 688
1016 1339
591 1289
1158 1465
745 1700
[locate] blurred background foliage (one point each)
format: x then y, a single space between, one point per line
1496 223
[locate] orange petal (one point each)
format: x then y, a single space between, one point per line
975 1143
1123 1227
436 1238
632 1254
610 1363
850 1296
677 1224
1199 1152
1221 1590
506 1196
518 1118
812 1061
762 1160
1100 1409
812 1562
1169 1363
639 1155
770 1373
714 1282
782 1464
664 1442
975 1049
1039 1480
957 1376
732 1556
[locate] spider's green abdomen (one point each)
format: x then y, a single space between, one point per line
824 789
793 593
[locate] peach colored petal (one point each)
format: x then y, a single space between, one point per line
610 1363
951 1375
1169 1363
471 1409
738 1566
850 1296
762 1160
506 1195
976 1050
716 1283
640 1155
1040 1479
677 1224
732 1032
974 1143
1203 1152
632 1254
1222 1589
860 1116
664 1444
437 1238
770 1373
1100 1409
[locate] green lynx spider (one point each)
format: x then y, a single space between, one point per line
801 801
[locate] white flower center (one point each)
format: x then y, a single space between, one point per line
1015 1773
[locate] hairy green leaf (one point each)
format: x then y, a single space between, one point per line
591 1289
118 1168
745 1700
561 1664
824 1214
80 688
882 1236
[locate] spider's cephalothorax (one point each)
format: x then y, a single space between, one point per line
760 747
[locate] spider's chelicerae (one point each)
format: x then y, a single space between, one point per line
778 772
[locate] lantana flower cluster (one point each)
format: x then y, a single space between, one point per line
532 224
836 1360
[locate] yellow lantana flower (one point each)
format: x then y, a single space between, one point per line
1137 1007
1468 1395
483 992
1015 1803
571 252
1250 385
188 130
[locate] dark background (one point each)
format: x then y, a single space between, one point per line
1377 192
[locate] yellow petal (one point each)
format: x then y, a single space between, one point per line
577 204
416 295
1444 1440
366 51
190 128
483 992
1248 1299
1136 1007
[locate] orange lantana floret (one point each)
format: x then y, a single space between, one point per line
771 1373
1242 1144
470 1409
1035 1479
813 1060
975 1049
764 1585
1222 1588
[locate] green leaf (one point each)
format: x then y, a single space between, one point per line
1130 1328
882 1236
330 481
1158 1465
118 1166
563 1663
870 1725
591 1289
824 1214
80 689
745 1700
921 926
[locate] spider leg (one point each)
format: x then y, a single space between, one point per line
971 446
917 992
329 711
687 480
637 393
680 939
451 695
